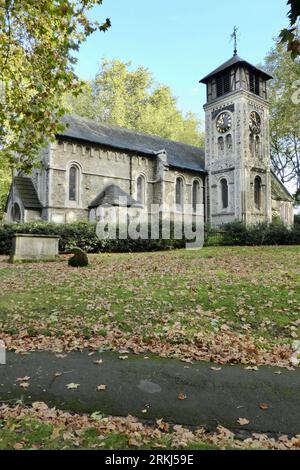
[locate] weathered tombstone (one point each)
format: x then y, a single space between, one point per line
80 258
34 247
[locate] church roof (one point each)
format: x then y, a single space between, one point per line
279 190
230 63
27 192
111 195
179 155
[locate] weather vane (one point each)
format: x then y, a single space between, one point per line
234 37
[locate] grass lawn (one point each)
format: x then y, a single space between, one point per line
238 304
46 428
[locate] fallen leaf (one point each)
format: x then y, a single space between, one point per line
251 368
123 358
24 384
182 396
97 415
264 406
72 386
23 379
57 374
98 362
243 421
102 388
18 446
133 442
39 406
55 434
216 368
162 426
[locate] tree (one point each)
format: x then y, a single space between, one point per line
131 98
38 40
290 36
284 96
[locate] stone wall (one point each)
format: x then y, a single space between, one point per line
99 167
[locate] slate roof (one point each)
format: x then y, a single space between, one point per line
234 61
279 190
27 192
179 155
111 195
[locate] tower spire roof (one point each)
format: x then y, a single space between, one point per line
235 60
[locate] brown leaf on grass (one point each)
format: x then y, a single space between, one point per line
243 421
39 406
162 426
18 446
133 442
55 434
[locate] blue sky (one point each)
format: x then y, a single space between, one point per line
182 41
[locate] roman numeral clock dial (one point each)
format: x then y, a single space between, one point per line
224 123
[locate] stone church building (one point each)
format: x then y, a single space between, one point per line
91 165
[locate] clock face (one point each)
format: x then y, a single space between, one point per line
255 123
224 123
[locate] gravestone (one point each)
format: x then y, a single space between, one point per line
34 247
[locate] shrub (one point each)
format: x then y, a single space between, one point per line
79 260
83 235
236 233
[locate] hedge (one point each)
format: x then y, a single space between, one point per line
236 233
83 235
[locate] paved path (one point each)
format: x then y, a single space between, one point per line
154 384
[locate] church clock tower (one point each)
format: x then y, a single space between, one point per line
237 149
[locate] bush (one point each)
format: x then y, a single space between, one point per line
236 233
83 235
79 260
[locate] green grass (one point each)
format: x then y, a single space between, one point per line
252 290
29 433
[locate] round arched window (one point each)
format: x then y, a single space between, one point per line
179 193
196 195
224 193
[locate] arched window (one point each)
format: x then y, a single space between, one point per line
221 146
229 143
140 189
257 147
224 193
73 183
257 192
251 145
196 195
16 213
179 193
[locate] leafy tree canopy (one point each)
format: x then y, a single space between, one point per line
284 96
290 35
131 98
38 40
